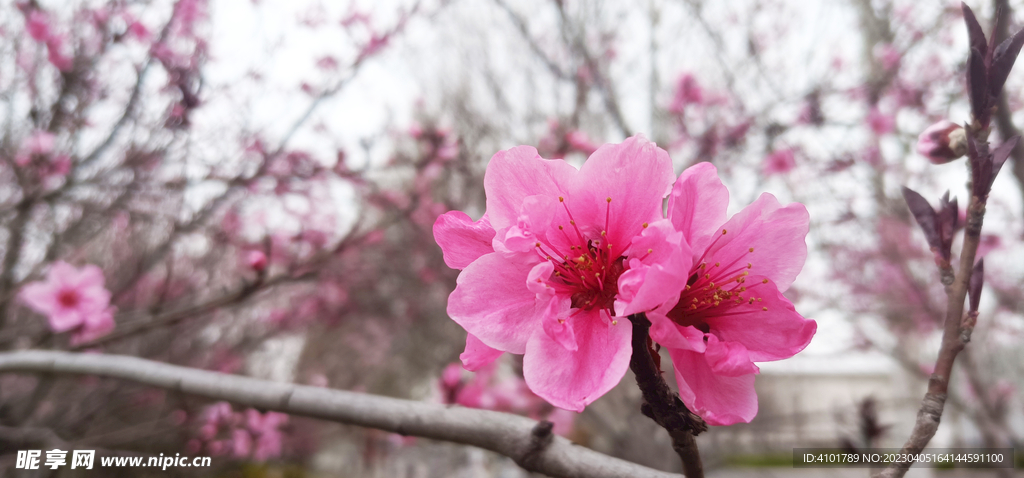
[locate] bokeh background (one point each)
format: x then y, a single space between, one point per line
258 180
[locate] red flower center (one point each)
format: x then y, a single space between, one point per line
713 290
68 298
587 273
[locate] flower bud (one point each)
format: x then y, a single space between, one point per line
942 142
256 260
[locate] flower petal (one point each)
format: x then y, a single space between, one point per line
40 296
534 219
770 329
462 241
492 302
477 354
698 205
672 335
776 235
574 379
718 399
636 175
660 259
63 320
517 173
728 358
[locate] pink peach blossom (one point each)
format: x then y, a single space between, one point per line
38 25
72 299
731 312
779 162
256 260
879 122
688 92
561 257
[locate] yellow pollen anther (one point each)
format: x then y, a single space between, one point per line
751 249
559 228
650 251
645 225
765 281
723 232
759 299
615 322
572 223
764 309
743 289
718 264
548 257
707 276
609 199
609 246
561 199
561 321
688 288
703 265
603 233
746 273
537 244
557 273
749 265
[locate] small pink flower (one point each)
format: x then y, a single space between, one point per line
241 443
72 298
38 25
56 54
879 122
256 260
942 142
561 257
327 63
138 31
579 141
95 326
779 162
731 312
888 56
40 143
688 92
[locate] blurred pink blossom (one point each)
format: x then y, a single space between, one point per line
688 92
879 122
256 260
72 299
779 162
888 56
38 143
38 25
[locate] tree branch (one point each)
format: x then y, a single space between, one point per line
956 334
509 435
661 404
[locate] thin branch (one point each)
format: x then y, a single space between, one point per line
519 438
661 404
956 334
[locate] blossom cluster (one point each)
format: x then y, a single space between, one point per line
248 434
489 389
562 257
